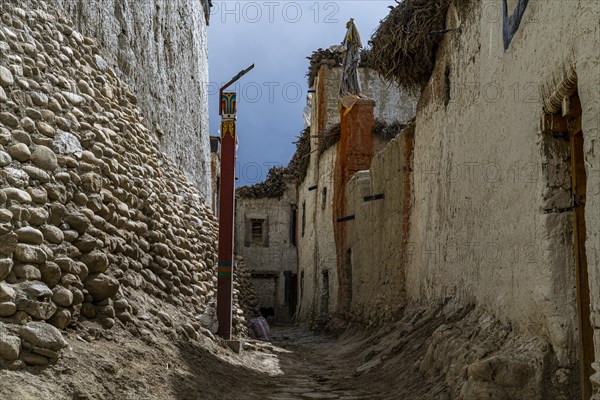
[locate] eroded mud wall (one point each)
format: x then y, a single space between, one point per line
490 223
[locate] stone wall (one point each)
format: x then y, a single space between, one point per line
325 264
245 299
354 152
95 222
275 254
391 104
160 48
316 245
215 172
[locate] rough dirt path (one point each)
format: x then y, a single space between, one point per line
356 365
312 368
380 364
295 364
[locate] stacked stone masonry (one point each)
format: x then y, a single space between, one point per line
245 301
95 222
160 47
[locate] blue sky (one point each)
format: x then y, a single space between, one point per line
277 36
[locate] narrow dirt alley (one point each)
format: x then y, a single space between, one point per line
358 364
313 368
374 364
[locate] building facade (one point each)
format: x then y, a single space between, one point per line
265 236
500 215
319 281
489 202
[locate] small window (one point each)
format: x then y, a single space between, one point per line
324 199
257 230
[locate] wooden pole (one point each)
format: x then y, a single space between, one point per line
227 111
226 214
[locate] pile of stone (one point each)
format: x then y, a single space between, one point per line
95 222
36 343
209 320
245 301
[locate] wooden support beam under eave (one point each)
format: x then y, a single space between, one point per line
554 123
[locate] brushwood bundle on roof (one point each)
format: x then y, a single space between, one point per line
387 130
298 165
329 137
319 57
402 48
381 129
273 187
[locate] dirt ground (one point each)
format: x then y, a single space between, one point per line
296 364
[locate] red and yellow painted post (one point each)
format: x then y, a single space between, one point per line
226 215
227 110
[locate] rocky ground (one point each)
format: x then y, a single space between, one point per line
115 364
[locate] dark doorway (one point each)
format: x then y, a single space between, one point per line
348 280
291 292
266 285
325 293
572 111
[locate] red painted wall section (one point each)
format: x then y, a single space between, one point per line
355 151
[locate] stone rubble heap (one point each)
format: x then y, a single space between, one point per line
95 223
245 301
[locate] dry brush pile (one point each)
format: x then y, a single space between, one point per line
387 130
404 45
331 57
273 187
95 222
301 159
381 129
